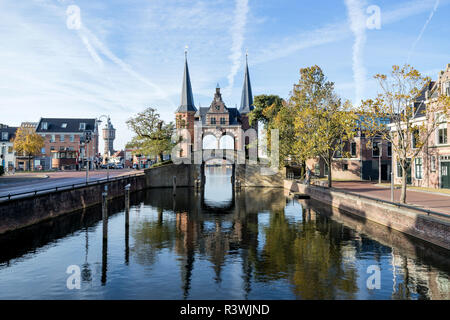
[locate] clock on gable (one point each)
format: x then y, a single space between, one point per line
217 107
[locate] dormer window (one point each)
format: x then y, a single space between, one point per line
64 125
82 126
44 126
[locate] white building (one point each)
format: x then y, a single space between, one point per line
7 154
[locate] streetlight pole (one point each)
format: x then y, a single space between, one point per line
86 144
107 166
380 148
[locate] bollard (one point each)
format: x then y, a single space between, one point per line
127 198
174 185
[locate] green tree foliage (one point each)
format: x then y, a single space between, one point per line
274 113
153 135
260 112
323 123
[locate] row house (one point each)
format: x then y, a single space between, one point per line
64 146
431 167
360 159
7 153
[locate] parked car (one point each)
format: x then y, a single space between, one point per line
119 166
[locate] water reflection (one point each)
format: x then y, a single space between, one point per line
254 244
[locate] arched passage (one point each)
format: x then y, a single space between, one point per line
226 142
209 142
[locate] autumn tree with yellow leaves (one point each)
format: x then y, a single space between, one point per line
412 121
323 122
28 143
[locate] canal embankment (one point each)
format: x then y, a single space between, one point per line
419 223
32 208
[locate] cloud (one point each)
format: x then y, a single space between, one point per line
333 32
358 27
237 32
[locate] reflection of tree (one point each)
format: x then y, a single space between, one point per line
308 256
150 237
278 253
319 269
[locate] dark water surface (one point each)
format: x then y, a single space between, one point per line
254 244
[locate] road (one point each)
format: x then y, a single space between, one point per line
22 182
426 200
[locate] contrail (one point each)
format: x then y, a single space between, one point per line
413 47
91 50
358 27
237 33
105 51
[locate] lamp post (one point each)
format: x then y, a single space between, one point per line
107 166
380 148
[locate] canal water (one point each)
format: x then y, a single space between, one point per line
253 244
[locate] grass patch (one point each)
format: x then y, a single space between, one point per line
160 164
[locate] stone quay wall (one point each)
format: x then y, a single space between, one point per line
28 210
415 222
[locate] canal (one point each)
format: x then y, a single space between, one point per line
253 244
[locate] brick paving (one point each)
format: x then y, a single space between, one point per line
426 200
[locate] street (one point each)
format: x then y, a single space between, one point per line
23 182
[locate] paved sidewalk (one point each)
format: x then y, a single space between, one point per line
426 200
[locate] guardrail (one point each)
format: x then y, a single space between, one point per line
66 187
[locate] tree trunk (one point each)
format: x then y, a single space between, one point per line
403 194
160 157
29 162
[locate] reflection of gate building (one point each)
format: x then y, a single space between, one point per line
216 126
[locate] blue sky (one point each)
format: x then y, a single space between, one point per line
127 55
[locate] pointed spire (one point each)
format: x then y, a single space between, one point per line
187 98
247 97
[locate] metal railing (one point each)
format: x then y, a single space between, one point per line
66 187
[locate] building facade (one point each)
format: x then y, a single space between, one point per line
7 153
64 146
361 158
227 126
431 167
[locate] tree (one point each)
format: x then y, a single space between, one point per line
262 104
412 121
153 135
275 113
28 143
323 123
